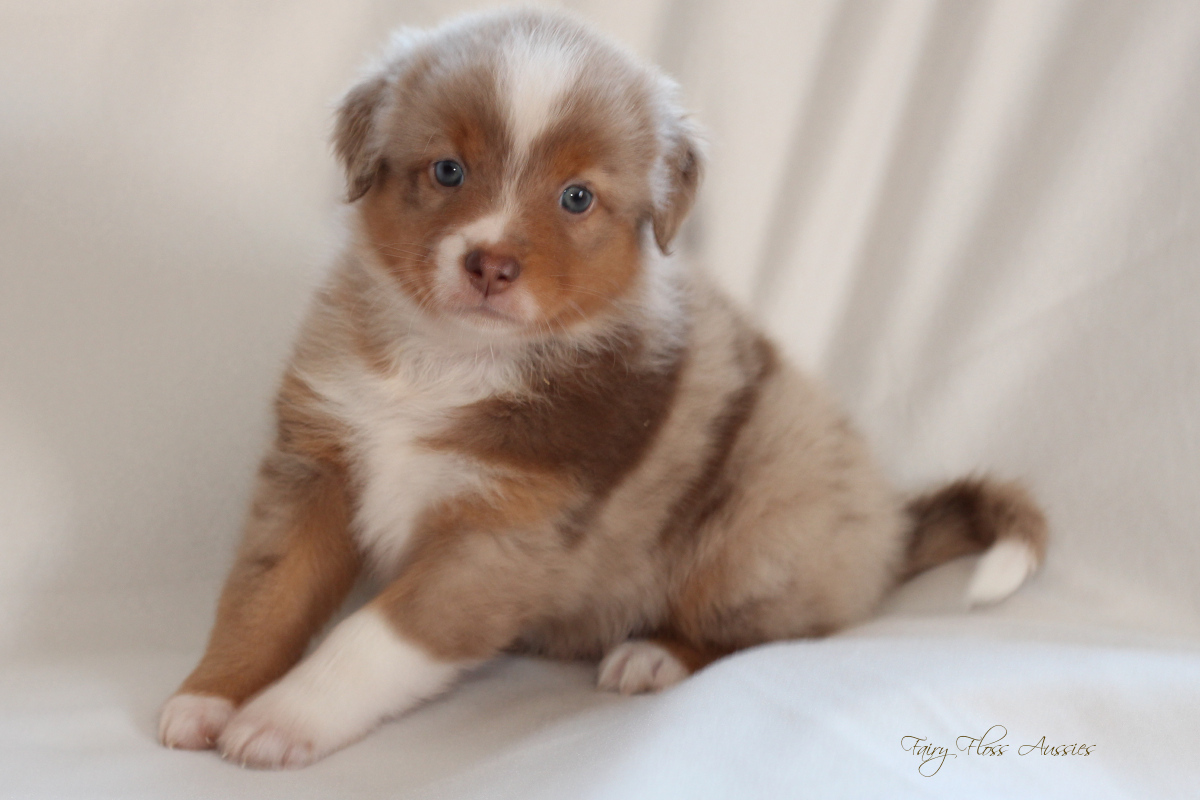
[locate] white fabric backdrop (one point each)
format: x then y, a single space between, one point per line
980 221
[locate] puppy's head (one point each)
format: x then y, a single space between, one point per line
507 169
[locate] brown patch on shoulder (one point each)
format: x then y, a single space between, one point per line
711 490
590 415
507 503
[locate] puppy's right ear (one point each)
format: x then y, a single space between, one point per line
354 135
681 166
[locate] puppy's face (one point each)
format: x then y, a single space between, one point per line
506 170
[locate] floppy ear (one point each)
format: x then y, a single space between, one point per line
681 168
353 135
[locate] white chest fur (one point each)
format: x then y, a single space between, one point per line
389 416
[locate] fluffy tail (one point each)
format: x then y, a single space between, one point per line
973 515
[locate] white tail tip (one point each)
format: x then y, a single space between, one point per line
1001 571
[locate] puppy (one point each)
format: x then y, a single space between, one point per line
541 432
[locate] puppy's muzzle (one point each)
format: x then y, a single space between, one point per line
491 273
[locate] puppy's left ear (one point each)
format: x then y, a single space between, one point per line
680 170
353 135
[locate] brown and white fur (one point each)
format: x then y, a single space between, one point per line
544 434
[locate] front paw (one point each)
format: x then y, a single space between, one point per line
193 721
273 732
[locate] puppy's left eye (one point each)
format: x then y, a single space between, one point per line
576 199
448 173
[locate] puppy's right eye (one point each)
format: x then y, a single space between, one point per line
448 173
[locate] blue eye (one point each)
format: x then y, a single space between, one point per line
576 199
448 173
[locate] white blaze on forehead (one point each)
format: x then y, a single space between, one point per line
538 71
485 230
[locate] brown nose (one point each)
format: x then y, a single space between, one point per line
490 273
